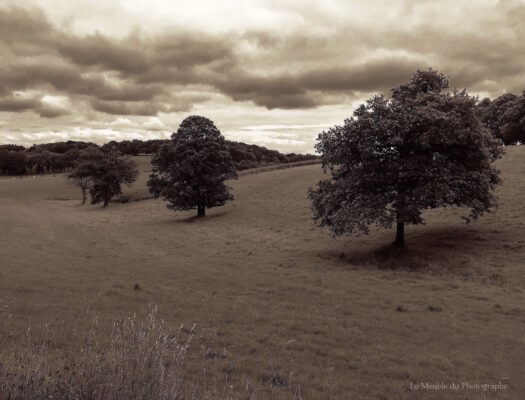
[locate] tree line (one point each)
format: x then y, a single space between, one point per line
61 156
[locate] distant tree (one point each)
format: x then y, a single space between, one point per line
81 176
513 122
84 168
505 117
13 162
11 147
424 148
189 172
133 147
91 153
108 175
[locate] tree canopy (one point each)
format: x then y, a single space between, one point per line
505 117
190 171
103 172
108 175
82 174
423 148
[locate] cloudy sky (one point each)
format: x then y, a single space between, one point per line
270 72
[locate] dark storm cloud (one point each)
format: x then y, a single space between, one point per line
142 74
127 56
51 112
24 30
312 88
135 108
18 104
366 77
117 76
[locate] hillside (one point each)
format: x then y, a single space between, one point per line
275 296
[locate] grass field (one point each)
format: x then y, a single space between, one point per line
276 300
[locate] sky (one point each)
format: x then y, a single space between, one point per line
269 72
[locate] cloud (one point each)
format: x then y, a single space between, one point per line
46 107
154 124
128 108
251 66
51 112
299 56
121 122
126 56
17 103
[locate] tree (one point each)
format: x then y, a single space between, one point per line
13 162
11 147
189 171
84 168
423 148
108 175
82 178
505 117
513 122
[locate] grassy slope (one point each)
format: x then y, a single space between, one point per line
279 295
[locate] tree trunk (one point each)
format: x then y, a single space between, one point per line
106 202
84 195
201 211
400 234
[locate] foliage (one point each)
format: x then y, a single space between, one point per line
62 156
505 117
424 148
12 162
189 172
108 174
11 147
136 147
81 174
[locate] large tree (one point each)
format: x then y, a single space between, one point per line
190 171
423 148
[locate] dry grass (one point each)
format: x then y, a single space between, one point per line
280 306
140 358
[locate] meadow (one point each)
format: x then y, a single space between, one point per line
278 308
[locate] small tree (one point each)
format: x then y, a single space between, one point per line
423 148
84 168
108 175
189 172
81 176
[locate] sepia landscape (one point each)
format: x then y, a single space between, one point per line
181 217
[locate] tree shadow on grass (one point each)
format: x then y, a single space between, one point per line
198 219
447 250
